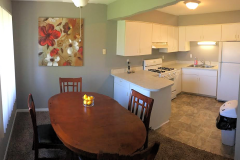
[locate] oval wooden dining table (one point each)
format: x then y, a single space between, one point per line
106 127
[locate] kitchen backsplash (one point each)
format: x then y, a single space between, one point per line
207 53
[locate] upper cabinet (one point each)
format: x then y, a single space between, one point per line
134 38
231 32
145 39
159 33
212 32
203 33
172 39
183 44
193 33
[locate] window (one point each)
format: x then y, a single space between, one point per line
7 70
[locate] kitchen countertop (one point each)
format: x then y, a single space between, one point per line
145 79
185 66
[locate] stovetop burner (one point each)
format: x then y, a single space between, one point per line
166 68
156 70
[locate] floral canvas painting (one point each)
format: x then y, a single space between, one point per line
60 42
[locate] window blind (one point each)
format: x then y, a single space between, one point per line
7 70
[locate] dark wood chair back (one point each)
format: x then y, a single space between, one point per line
31 107
66 84
141 104
147 154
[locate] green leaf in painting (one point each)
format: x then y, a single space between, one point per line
40 53
61 50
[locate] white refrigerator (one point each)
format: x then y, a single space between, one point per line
228 71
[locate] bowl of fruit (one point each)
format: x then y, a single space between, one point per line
88 101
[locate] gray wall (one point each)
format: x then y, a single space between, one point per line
42 82
7 5
207 53
155 17
209 18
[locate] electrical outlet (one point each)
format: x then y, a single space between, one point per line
104 51
127 60
190 55
162 57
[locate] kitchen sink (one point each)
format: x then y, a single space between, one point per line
201 66
192 65
206 66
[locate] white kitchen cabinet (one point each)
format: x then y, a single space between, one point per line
159 33
203 33
121 95
183 44
199 81
178 81
208 85
145 39
172 39
193 33
190 83
121 91
231 32
134 38
211 32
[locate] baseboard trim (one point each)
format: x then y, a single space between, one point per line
10 136
37 110
161 125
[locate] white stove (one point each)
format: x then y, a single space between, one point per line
155 65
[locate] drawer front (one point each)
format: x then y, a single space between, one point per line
210 73
199 72
121 82
190 71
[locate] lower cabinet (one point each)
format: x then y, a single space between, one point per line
122 91
121 95
199 81
178 81
208 85
190 83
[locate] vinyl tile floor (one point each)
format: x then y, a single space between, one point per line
193 122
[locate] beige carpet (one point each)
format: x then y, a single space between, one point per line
21 143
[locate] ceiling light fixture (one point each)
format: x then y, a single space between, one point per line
80 3
192 4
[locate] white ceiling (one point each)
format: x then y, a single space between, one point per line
206 6
90 1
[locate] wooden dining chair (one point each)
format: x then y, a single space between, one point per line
147 154
68 84
44 137
140 104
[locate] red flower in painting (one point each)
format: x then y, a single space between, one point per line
54 52
66 63
48 35
80 50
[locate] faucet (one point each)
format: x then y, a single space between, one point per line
203 62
